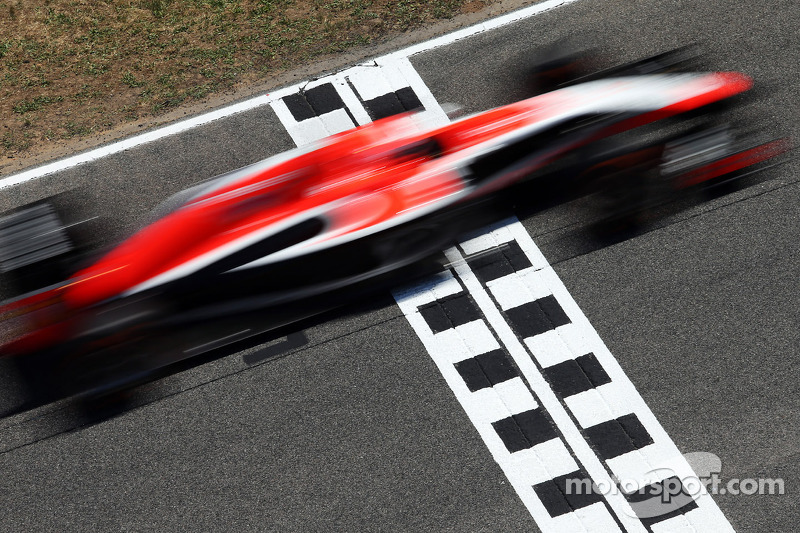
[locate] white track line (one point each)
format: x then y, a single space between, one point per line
259 101
490 24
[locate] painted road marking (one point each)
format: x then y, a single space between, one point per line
319 110
508 415
370 91
616 450
631 449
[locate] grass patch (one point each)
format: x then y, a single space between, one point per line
72 129
36 103
93 65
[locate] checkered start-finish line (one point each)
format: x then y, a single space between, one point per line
549 400
551 403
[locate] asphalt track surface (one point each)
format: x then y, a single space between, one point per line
354 429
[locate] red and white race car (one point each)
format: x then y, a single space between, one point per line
307 229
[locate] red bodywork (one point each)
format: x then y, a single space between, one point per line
362 179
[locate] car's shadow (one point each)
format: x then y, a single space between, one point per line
24 421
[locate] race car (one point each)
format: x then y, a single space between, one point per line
306 230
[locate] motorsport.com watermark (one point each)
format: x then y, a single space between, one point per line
672 492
